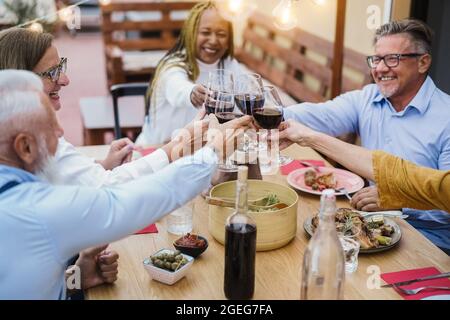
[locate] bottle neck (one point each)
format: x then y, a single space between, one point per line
241 197
327 212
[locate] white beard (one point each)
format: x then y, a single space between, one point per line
48 171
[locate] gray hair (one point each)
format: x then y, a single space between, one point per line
419 32
19 93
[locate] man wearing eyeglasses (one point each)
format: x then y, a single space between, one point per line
403 113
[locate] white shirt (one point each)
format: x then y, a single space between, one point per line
77 169
172 108
43 226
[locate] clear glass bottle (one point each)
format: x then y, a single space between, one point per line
323 261
240 246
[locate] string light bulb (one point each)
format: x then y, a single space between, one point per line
234 10
286 17
36 27
320 2
65 14
104 2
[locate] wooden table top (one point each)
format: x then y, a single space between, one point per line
278 272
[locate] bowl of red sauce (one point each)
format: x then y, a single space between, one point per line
191 244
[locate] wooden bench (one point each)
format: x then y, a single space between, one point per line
137 35
296 61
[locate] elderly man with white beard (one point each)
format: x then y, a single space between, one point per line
42 226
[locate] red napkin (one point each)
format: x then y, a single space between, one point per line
145 151
406 275
150 229
294 165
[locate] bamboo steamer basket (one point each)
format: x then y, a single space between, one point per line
275 229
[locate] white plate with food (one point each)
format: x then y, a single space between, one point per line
377 233
310 181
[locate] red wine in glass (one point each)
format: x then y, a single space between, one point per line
268 117
211 100
227 116
247 102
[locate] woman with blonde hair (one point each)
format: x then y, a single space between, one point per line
177 91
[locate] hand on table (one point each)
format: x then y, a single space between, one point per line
366 199
97 266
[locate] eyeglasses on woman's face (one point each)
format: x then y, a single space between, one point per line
55 72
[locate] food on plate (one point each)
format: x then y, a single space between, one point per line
190 240
370 233
320 182
171 261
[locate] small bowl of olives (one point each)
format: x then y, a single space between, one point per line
191 244
168 266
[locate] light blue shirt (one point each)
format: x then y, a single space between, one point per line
420 133
43 226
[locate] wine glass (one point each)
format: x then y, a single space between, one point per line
224 108
248 94
219 80
270 115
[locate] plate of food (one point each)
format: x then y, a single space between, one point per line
310 181
374 233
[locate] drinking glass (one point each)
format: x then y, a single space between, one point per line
351 246
270 115
224 108
179 221
248 94
219 81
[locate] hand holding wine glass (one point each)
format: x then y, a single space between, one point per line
224 111
219 81
270 115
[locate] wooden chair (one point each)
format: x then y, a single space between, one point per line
137 35
126 90
297 61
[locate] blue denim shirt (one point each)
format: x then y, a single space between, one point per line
420 133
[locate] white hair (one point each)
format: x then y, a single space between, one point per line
19 93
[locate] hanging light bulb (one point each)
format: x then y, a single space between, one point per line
233 10
104 2
65 14
285 15
36 27
320 2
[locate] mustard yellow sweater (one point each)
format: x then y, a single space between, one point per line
402 184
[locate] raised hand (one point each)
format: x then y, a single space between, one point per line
120 152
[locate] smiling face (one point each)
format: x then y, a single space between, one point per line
212 37
404 81
51 88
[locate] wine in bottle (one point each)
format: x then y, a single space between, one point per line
240 246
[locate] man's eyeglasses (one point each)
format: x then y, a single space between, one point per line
390 60
54 72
